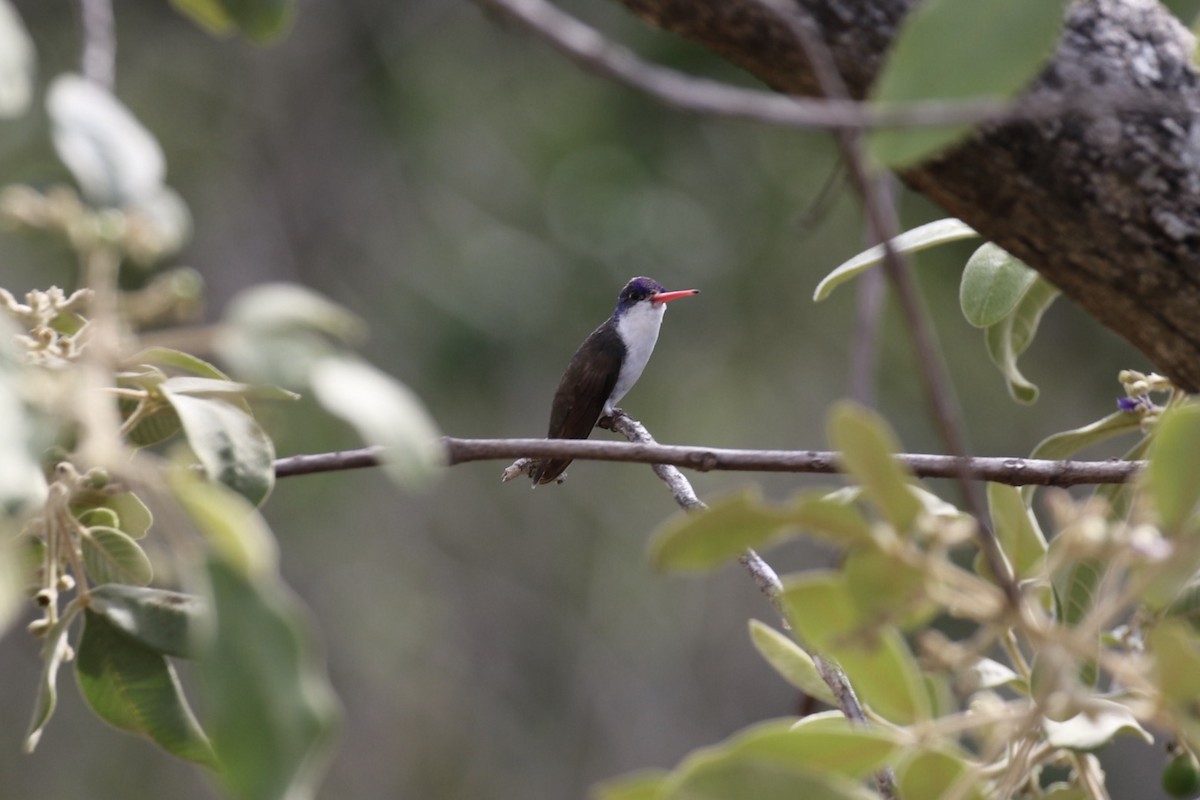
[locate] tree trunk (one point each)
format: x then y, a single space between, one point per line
1105 207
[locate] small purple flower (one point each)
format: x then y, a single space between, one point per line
1134 403
1127 403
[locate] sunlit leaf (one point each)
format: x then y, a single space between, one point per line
135 689
920 238
1170 473
269 709
1102 722
879 664
17 62
158 619
868 447
1017 529
790 661
111 556
1010 337
993 283
115 160
726 778
230 445
384 412
959 49
55 651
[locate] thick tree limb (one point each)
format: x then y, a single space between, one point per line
1012 471
1108 209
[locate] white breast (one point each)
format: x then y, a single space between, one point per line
638 328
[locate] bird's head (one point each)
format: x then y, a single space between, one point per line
640 290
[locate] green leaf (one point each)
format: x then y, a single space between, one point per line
277 332
932 773
1075 585
700 541
645 784
1068 443
868 447
185 362
231 446
224 388
879 664
22 485
270 711
1089 731
1010 337
160 620
993 283
232 526
726 779
260 21
1017 529
886 590
114 159
14 577
122 510
920 238
1120 495
955 50
733 524
133 688
790 661
384 412
55 651
1170 473
833 746
111 556
1176 663
17 62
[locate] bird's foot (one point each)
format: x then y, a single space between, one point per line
609 421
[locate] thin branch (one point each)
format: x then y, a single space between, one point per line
1011 471
589 49
98 61
883 223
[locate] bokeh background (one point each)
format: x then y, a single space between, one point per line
479 201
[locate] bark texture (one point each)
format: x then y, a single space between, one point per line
1107 208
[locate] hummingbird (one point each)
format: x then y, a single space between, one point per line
606 366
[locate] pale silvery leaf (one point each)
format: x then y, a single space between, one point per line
114 158
384 412
16 63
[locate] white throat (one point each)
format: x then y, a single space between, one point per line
638 328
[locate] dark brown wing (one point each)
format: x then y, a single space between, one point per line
581 394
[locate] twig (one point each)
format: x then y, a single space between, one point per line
884 225
98 61
589 49
1011 471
